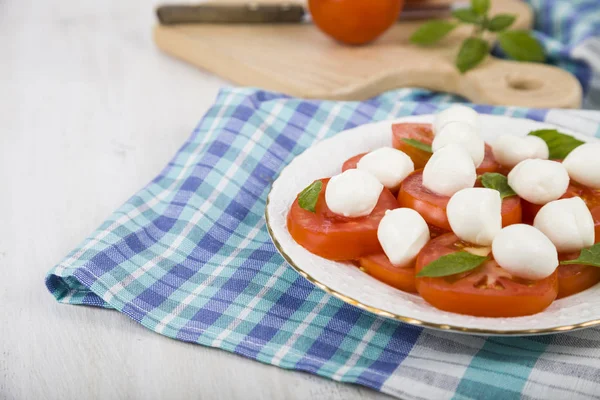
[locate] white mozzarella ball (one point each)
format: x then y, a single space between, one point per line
463 134
568 223
455 113
525 252
475 215
583 164
449 170
402 233
539 181
388 165
510 150
353 193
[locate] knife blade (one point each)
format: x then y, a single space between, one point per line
256 13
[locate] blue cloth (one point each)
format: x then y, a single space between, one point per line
189 257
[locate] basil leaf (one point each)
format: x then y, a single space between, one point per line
521 46
418 145
559 144
500 22
499 182
481 7
466 15
431 32
307 199
590 256
451 264
472 52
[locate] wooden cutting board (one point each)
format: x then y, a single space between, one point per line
299 60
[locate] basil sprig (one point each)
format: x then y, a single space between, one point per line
589 256
451 264
518 45
418 145
560 144
307 199
499 182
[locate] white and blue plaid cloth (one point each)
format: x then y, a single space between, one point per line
189 257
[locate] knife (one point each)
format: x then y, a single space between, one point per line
214 13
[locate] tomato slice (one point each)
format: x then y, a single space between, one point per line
352 162
432 206
380 268
489 163
590 196
424 134
420 132
487 291
575 278
333 236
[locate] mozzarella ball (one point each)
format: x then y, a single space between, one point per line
455 113
539 181
583 164
525 252
475 215
402 233
462 134
449 170
510 150
568 223
353 193
388 165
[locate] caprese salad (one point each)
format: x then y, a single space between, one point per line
495 230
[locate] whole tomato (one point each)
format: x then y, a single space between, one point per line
355 21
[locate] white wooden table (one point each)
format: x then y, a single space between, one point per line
90 111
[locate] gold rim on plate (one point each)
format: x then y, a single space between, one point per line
413 321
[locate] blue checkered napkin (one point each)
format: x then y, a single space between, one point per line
189 257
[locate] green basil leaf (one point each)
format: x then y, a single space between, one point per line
466 15
431 32
472 52
559 144
521 46
500 22
481 7
450 264
499 182
590 256
418 145
307 199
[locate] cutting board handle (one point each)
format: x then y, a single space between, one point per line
521 84
496 82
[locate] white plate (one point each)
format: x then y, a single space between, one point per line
357 288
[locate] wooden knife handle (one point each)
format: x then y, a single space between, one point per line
230 13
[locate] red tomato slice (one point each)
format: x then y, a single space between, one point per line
333 236
352 162
432 206
380 267
487 291
575 278
424 134
489 163
420 132
591 197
